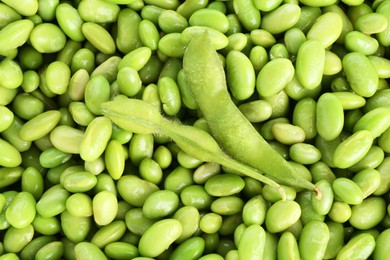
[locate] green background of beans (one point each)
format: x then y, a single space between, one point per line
86 174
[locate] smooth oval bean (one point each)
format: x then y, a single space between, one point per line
304 153
287 133
309 70
252 243
336 240
11 74
356 41
160 204
240 75
15 34
169 94
281 215
47 38
9 155
352 149
228 205
128 37
16 238
361 245
69 20
21 212
104 207
377 121
75 228
159 237
347 191
40 125
109 233
313 240
329 116
52 201
88 251
224 185
326 29
135 190
287 247
99 37
360 72
281 19
323 204
382 247
274 77
368 213
371 23
98 11
189 218
218 39
210 18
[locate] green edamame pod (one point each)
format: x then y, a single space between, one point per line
204 72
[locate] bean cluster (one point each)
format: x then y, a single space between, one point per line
121 129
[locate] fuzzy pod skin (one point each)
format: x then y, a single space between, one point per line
205 74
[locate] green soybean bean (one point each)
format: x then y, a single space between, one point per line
323 205
188 161
9 15
109 233
187 8
381 245
293 39
252 243
191 249
136 221
78 82
69 21
379 99
80 113
219 40
241 79
210 223
352 149
308 213
321 3
278 50
53 157
383 37
26 106
114 158
141 146
210 18
381 66
313 240
125 184
171 21
304 153
336 241
348 191
96 138
224 185
332 64
272 195
309 14
9 155
129 82
281 215
288 133
189 218
205 172
162 156
350 100
287 247
371 23
32 182
361 245
21 212
376 121
297 91
256 111
40 125
16 238
352 64
368 213
46 226
99 37
15 34
79 205
47 38
171 45
165 231
66 139
52 250
160 204
228 205
169 94
326 29
98 11
79 182
104 207
287 16
267 6
88 251
11 74
196 195
304 116
248 14
52 201
150 35
30 81
121 250
309 71
30 250
356 41
372 159
258 57
262 38
128 37
268 83
368 180
329 116
321 171
57 77
383 141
